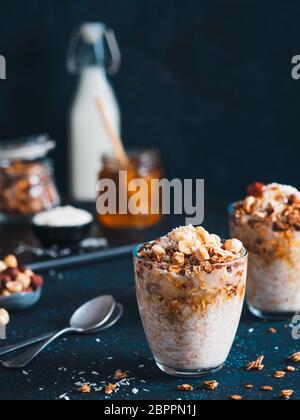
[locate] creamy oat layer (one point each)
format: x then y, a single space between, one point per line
190 288
268 223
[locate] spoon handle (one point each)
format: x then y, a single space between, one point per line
23 359
25 343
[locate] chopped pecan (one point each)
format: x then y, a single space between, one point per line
119 375
295 357
185 387
109 389
279 374
256 365
84 389
235 397
266 388
210 385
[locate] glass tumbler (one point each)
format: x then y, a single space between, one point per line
190 320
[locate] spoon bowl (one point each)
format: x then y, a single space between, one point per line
93 314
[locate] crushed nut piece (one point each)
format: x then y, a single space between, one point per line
11 261
249 386
4 317
210 385
109 389
235 397
233 245
256 365
286 394
119 375
178 258
279 374
185 387
249 203
272 330
84 389
266 388
290 369
295 357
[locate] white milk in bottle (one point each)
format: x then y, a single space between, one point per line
89 139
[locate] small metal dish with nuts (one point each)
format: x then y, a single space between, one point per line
20 288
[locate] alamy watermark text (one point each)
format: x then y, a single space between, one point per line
2 68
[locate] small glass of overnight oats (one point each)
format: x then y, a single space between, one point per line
268 223
190 290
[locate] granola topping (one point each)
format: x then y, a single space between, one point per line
274 204
188 249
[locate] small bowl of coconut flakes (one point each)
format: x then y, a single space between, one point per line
62 225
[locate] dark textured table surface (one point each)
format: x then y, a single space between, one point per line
73 360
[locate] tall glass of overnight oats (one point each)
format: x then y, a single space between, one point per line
268 223
190 290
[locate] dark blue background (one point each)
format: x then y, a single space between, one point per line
207 81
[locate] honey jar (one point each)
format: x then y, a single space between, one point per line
141 166
27 182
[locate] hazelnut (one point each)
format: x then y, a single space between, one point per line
5 293
24 280
2 266
249 204
189 247
202 234
202 254
11 261
14 287
233 245
4 317
159 251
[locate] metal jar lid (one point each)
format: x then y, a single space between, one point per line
29 148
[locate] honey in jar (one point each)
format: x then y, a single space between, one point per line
140 166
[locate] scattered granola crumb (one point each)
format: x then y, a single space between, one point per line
119 375
210 385
185 387
290 369
84 389
295 357
256 365
135 391
249 386
279 374
266 388
109 389
286 394
272 330
235 397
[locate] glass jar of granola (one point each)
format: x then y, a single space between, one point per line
268 223
190 290
27 185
